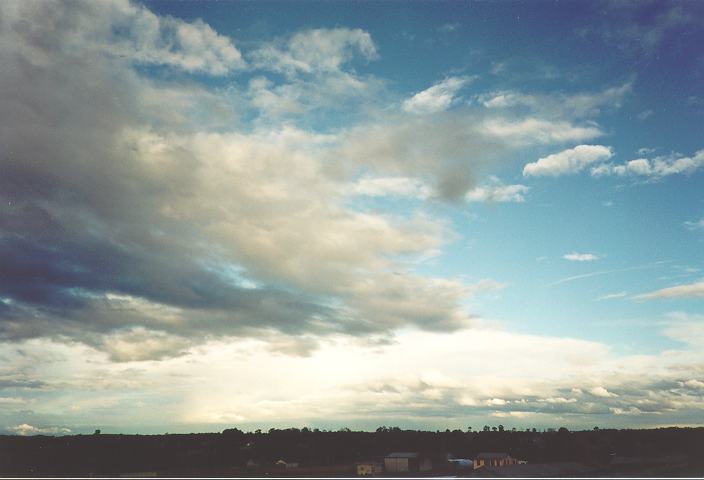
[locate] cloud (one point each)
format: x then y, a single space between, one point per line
568 161
601 392
657 167
120 31
497 192
532 130
695 225
25 429
437 98
692 290
580 257
566 106
141 231
611 296
415 378
391 186
642 29
316 72
316 51
645 114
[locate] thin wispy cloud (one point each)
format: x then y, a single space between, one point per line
581 257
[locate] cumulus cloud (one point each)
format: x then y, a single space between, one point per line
601 392
143 234
657 167
437 98
580 257
691 290
568 161
497 192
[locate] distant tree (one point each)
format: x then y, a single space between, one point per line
596 429
486 428
501 428
469 429
563 430
534 430
513 429
493 429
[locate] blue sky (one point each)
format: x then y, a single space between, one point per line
430 214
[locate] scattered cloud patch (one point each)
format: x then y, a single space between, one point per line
315 51
611 296
656 167
497 192
581 257
691 290
695 225
569 161
437 98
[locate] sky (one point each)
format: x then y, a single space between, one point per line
350 214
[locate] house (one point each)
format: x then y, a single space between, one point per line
369 468
458 464
400 462
284 465
493 459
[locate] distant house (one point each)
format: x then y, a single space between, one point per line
284 465
369 468
493 459
460 463
400 462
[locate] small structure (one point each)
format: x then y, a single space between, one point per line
401 462
284 465
460 464
493 459
369 468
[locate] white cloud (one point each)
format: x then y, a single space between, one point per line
696 225
568 161
497 192
437 98
691 290
391 186
316 51
657 167
125 31
601 392
573 106
25 429
580 257
645 114
530 131
611 296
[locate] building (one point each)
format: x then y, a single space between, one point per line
493 459
400 462
284 465
369 468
